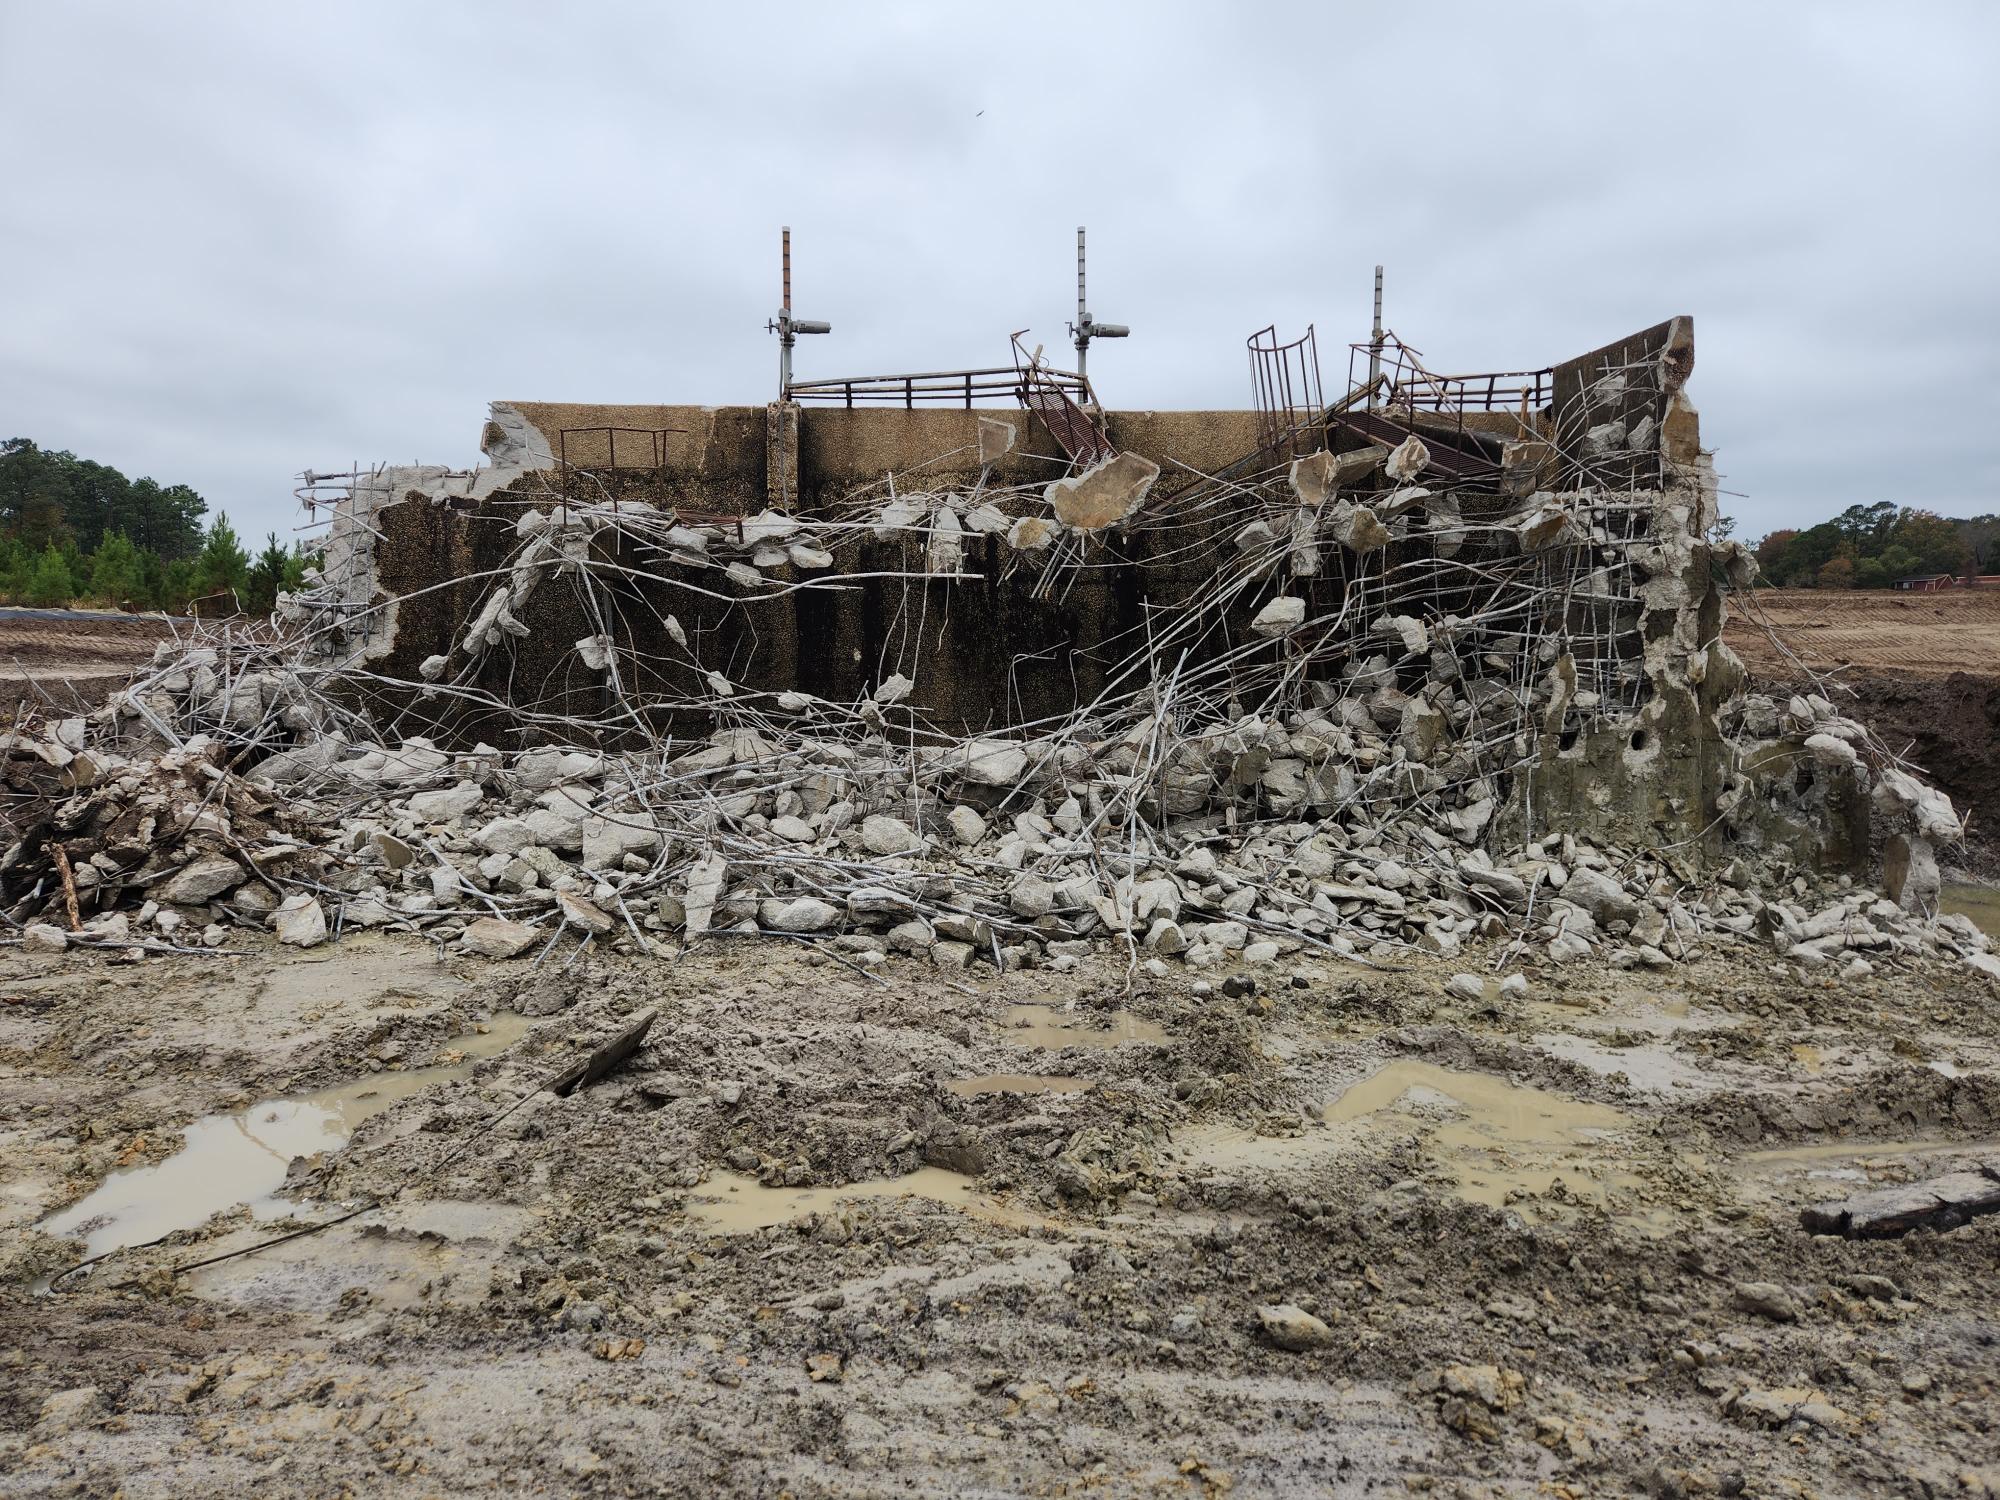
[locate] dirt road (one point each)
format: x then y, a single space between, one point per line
829 1236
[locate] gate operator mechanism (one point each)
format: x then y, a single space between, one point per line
788 328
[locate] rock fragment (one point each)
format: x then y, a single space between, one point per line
203 880
300 921
496 937
1293 1328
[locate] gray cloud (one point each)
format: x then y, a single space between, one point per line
239 240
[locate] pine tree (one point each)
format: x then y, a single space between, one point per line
76 565
266 577
223 567
50 585
15 564
115 577
177 586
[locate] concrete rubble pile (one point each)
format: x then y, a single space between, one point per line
1402 700
1007 851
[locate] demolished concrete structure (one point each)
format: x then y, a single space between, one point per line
1446 666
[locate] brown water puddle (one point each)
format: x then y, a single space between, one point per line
241 1158
1502 1141
1979 902
435 1252
363 969
1052 1027
1507 1113
1654 1015
730 1203
1017 1083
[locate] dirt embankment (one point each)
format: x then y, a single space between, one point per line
68 659
1924 670
1837 631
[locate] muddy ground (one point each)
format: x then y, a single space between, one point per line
1552 1243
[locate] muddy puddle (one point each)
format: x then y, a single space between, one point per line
406 1254
364 970
241 1157
1979 902
1051 1027
1660 1016
1017 1083
730 1203
1502 1142
1655 1068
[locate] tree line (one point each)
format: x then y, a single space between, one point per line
77 532
1874 546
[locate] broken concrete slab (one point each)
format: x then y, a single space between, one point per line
1105 494
1910 876
202 880
300 921
1884 1213
496 937
996 440
1281 616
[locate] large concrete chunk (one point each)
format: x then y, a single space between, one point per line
996 440
300 921
1358 529
203 880
796 914
1910 872
1409 459
1312 478
1281 616
581 911
443 806
1030 534
704 890
1104 494
884 835
995 763
496 937
606 840
1604 898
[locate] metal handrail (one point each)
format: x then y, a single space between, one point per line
1412 386
932 385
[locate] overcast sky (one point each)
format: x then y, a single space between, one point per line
241 240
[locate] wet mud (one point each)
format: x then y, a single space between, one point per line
833 1235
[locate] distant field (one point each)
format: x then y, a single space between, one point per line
1872 631
70 658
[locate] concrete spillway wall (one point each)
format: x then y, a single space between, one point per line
992 652
1622 679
